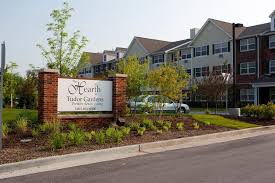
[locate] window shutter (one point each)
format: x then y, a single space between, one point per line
194 73
207 49
267 42
229 47
213 47
266 67
194 52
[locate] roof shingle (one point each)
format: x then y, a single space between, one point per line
152 45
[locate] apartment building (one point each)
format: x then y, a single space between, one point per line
255 57
99 63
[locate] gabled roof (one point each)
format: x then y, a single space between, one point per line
272 14
121 49
94 58
255 30
226 27
151 45
173 45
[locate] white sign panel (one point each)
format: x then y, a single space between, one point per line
84 95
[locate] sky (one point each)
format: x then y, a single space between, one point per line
113 23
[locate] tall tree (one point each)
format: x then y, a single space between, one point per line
168 81
136 72
63 51
213 87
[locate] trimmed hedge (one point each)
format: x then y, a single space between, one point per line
264 111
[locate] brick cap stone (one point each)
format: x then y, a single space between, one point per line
118 75
49 70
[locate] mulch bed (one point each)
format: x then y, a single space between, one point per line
261 122
15 151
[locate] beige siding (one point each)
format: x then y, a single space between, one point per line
209 36
136 50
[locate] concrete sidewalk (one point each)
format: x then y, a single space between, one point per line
85 158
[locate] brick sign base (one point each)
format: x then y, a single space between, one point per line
47 102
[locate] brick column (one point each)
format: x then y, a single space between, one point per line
47 94
119 93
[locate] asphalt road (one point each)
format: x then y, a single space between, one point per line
244 161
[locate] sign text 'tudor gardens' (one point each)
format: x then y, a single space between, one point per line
84 95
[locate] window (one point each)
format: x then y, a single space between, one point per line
217 70
198 72
220 48
117 56
158 59
105 58
247 95
97 70
188 71
247 44
272 94
272 66
186 55
201 51
203 71
271 41
247 68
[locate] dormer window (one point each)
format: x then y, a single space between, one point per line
272 24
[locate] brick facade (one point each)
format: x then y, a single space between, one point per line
47 102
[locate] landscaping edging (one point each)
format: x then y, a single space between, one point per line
84 158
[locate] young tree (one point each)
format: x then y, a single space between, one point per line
213 87
63 52
136 72
11 81
168 81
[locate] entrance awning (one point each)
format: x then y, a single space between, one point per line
267 81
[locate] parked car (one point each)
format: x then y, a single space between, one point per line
150 101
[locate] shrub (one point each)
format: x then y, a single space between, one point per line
100 137
35 132
109 133
5 130
88 136
159 123
50 126
167 124
154 128
118 136
57 140
159 131
22 125
147 123
29 115
196 125
76 135
165 128
180 126
125 130
141 130
262 111
134 126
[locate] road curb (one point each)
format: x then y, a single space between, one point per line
84 158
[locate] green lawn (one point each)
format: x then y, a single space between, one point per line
211 109
221 121
13 114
